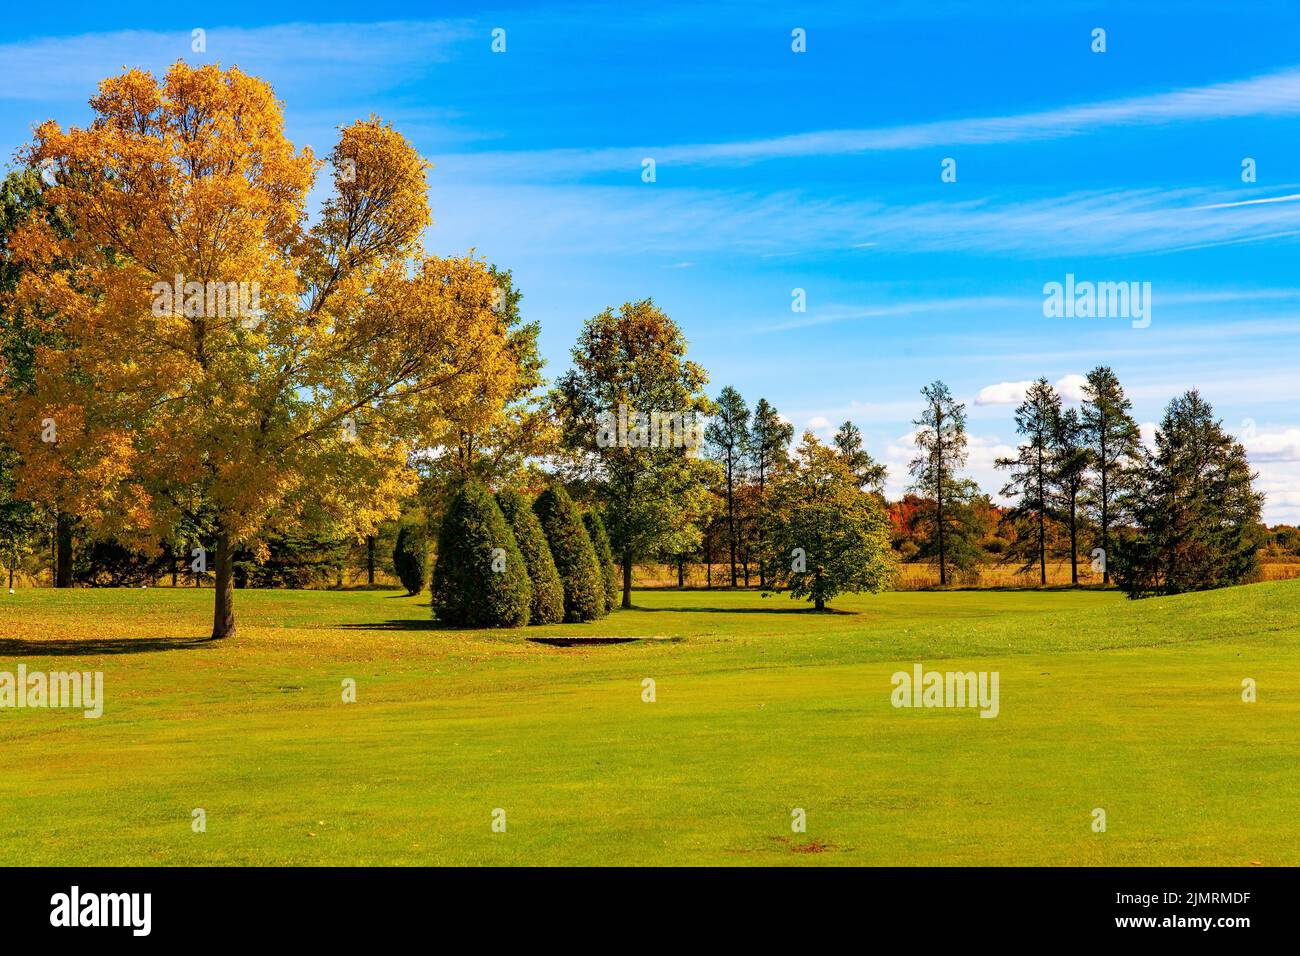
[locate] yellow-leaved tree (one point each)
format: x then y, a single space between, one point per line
213 344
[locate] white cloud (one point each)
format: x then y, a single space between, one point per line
361 56
683 224
1003 393
1070 387
1272 94
1277 446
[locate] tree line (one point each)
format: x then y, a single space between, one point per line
381 398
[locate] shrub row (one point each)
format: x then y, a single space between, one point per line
504 563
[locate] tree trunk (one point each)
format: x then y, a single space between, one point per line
819 604
1042 548
1074 544
943 570
370 560
63 550
708 571
176 560
223 618
681 572
731 527
1105 516
627 580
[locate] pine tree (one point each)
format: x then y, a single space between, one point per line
604 556
1072 460
575 558
727 436
479 577
769 442
1196 512
1114 445
947 515
547 606
870 473
1038 419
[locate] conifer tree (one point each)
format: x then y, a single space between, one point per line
1038 419
604 555
1194 506
479 577
548 591
1114 446
575 558
946 517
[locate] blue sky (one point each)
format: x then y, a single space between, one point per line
820 171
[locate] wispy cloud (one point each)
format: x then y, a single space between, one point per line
349 58
1271 94
611 221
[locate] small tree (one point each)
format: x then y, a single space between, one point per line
605 555
834 537
548 591
411 558
479 577
575 558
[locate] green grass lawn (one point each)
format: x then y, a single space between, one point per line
761 707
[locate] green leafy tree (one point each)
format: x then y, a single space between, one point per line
833 537
604 555
631 366
946 517
479 577
871 474
548 589
727 437
1115 448
1033 470
411 557
575 558
1195 509
769 449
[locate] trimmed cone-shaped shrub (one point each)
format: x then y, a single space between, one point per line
575 558
479 577
548 591
411 558
605 555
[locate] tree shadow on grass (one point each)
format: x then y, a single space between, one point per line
584 641
89 647
743 610
405 624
